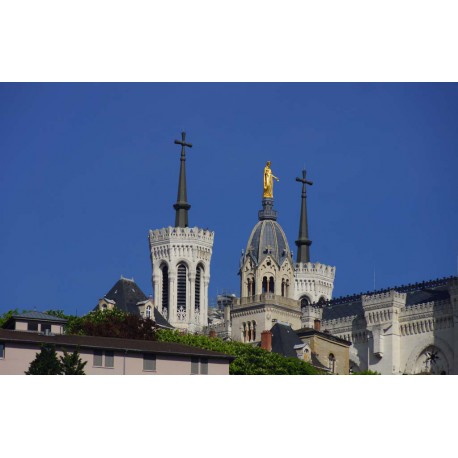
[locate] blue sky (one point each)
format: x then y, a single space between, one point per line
87 169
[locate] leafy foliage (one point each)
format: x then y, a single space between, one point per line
249 360
71 363
45 362
366 372
7 315
112 323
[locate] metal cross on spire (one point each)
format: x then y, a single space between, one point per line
303 242
183 144
182 206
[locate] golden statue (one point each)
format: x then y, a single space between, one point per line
268 181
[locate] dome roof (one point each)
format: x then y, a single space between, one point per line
268 238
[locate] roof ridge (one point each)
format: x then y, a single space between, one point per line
441 281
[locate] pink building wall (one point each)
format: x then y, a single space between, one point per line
18 356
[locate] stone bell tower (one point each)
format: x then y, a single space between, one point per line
180 257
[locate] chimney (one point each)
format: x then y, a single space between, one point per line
266 340
212 333
317 325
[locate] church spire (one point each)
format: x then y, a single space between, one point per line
303 243
182 206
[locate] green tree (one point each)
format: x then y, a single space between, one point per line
71 363
113 323
45 362
248 360
366 372
7 315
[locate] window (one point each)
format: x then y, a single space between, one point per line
109 359
264 285
32 326
98 354
204 366
45 327
2 350
181 287
148 311
165 287
332 363
149 362
197 287
194 366
98 358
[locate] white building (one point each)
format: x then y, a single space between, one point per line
409 329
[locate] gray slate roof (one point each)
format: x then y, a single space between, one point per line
417 293
126 294
268 233
284 339
38 316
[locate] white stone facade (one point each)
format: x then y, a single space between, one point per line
313 281
180 259
393 337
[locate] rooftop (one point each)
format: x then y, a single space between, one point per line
416 293
110 343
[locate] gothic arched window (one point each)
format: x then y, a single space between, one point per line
264 285
304 301
197 287
271 285
181 291
165 288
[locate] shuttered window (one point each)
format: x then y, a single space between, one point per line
98 354
109 359
149 362
194 366
204 366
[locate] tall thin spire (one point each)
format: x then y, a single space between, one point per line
303 243
182 206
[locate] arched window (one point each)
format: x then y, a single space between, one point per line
304 301
253 331
148 311
283 288
181 291
165 289
264 285
332 363
253 287
271 285
197 288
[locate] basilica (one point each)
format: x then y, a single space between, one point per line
406 329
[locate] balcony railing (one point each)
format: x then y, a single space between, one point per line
267 298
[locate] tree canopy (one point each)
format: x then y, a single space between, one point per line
249 360
47 363
109 323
